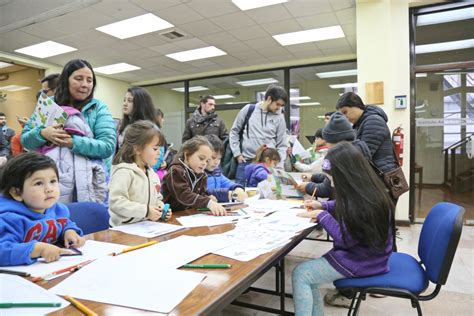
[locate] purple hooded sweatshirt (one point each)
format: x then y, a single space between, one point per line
349 257
255 173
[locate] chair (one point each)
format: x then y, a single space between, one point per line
91 217
408 278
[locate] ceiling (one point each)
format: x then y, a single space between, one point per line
246 36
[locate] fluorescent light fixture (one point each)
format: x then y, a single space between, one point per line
335 74
252 4
300 98
294 90
256 82
321 117
191 89
223 96
237 102
307 36
308 104
421 75
116 68
445 16
4 64
343 85
14 87
200 53
138 25
445 46
45 49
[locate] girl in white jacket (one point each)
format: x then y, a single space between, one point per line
134 187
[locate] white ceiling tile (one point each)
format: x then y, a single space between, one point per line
201 63
256 61
44 31
247 55
218 38
227 61
268 14
308 54
301 47
119 9
249 32
202 27
233 21
16 39
144 53
346 16
80 20
213 8
279 27
179 14
318 21
352 40
121 46
147 40
277 51
263 43
88 38
233 47
349 29
332 43
341 4
338 51
153 5
191 43
300 8
166 49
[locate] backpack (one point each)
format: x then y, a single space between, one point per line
228 162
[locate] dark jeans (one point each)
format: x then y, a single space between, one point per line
240 173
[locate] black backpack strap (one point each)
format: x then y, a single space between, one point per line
246 121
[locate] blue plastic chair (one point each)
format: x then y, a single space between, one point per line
89 216
408 278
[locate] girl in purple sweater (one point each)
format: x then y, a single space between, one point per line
359 223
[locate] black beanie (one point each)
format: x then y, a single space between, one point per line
338 129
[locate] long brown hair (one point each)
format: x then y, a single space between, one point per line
264 152
192 145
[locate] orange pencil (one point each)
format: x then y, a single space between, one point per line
83 308
135 248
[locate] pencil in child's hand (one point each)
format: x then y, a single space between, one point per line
308 208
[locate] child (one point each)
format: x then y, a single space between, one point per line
317 151
359 223
32 223
186 181
265 158
134 186
219 185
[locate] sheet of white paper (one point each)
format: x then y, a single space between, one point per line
15 289
296 176
148 229
126 281
91 250
206 220
298 149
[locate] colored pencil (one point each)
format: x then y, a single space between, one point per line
13 305
20 273
135 248
83 308
69 269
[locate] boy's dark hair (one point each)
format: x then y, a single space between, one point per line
20 168
143 108
216 143
62 95
2 114
319 133
266 152
52 80
192 145
205 98
276 93
329 113
137 135
350 99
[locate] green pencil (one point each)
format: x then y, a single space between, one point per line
12 305
209 266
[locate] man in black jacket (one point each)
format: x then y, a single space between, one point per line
5 137
205 121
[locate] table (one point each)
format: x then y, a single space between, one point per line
216 291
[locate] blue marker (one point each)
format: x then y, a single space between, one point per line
164 211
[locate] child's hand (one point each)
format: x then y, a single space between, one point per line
168 215
216 209
213 198
71 238
48 252
241 195
310 214
301 187
154 213
313 205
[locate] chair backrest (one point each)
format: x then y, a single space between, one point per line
439 239
89 216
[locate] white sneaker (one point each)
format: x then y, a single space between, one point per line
334 298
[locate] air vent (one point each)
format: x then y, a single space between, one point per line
172 35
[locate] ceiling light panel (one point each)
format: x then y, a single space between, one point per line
445 46
343 85
445 16
45 49
191 89
256 82
253 4
335 74
300 98
223 96
195 54
14 87
138 25
307 36
116 68
308 104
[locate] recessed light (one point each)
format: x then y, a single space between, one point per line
445 46
307 36
14 87
421 75
252 4
223 96
138 25
191 89
4 64
256 82
116 68
343 85
335 74
194 54
445 16
237 102
300 98
308 104
45 49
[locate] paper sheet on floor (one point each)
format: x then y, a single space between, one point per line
91 250
15 289
126 281
148 229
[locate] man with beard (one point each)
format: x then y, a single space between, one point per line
205 121
5 137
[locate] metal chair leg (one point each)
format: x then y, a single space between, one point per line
354 298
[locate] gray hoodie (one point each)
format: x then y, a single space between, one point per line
264 127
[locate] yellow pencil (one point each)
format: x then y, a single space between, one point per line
312 198
135 247
80 306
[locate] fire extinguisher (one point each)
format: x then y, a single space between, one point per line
397 140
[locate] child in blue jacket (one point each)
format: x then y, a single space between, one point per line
258 171
32 223
219 185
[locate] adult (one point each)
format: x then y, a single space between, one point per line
205 121
266 125
327 117
75 92
6 134
49 84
